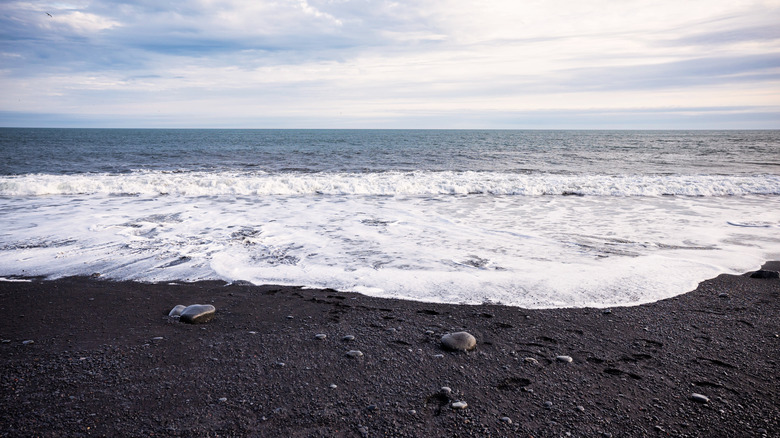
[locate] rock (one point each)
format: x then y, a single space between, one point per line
763 273
332 386
580 408
197 314
28 342
459 405
157 338
321 336
176 311
355 353
363 431
700 398
606 311
548 404
348 338
446 390
531 360
506 420
459 341
566 359
223 399
429 332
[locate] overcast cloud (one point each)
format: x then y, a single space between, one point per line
391 64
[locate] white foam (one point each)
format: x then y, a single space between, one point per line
155 183
538 251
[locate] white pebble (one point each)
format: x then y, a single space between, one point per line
566 359
459 405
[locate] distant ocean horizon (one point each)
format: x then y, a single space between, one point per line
527 218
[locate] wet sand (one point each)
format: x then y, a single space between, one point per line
105 360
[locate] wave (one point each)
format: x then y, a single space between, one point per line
156 183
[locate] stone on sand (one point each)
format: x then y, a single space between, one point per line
197 313
459 405
176 311
763 273
700 398
459 341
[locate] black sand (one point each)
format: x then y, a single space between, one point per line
94 367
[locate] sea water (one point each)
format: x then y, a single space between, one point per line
524 218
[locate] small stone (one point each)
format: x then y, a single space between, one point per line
459 405
289 317
332 386
548 404
348 338
606 311
459 341
412 412
763 273
446 390
566 359
723 295
700 398
252 333
363 431
321 336
506 420
438 355
429 332
355 353
6 341
28 342
176 311
198 314
157 338
281 364
581 408
223 399
531 360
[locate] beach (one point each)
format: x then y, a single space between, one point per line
85 356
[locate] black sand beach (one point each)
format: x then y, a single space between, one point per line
105 360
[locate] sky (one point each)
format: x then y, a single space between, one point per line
518 64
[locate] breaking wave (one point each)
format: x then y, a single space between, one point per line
420 183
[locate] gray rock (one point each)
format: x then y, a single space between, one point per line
566 359
28 342
506 420
548 404
459 341
333 386
355 353
459 405
321 336
446 390
197 314
763 273
531 360
176 311
348 338
700 398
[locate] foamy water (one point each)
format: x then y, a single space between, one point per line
539 237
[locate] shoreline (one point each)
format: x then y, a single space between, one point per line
106 360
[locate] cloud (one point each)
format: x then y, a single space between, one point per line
384 60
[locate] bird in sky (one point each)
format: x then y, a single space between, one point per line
49 15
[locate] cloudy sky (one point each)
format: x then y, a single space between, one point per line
391 64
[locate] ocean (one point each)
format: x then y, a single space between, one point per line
535 219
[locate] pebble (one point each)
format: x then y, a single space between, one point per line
320 336
506 420
606 311
459 405
332 386
176 311
566 359
355 353
363 431
429 332
581 408
412 412
223 399
27 342
157 338
280 364
723 295
289 317
348 338
531 360
197 314
446 390
548 404
763 273
252 333
700 398
438 355
6 341
459 341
